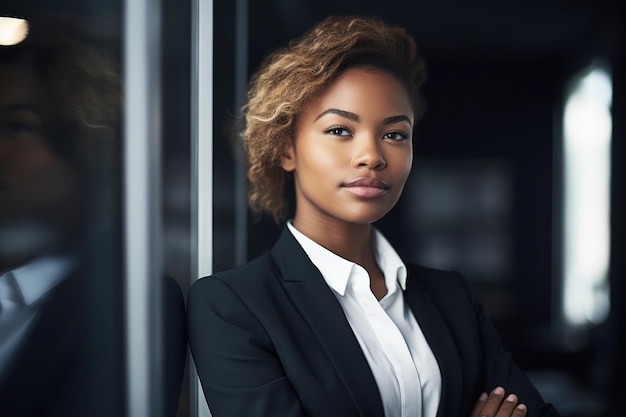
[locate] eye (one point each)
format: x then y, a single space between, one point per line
338 131
14 130
396 135
19 124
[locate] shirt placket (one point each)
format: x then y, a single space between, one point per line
393 345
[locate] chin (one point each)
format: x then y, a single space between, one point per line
365 217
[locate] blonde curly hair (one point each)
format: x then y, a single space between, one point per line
291 77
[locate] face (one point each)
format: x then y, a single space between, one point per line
352 150
37 186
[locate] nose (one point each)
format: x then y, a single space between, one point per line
367 153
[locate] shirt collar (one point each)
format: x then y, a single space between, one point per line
389 261
38 277
337 270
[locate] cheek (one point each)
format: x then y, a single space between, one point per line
402 162
408 157
30 159
323 158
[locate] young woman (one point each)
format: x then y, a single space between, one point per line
332 322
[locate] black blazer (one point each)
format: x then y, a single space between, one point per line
270 339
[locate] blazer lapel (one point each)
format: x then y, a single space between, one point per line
318 305
440 341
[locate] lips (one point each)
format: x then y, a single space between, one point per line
366 187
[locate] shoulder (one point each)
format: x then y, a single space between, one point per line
253 270
244 282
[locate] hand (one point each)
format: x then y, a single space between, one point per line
496 405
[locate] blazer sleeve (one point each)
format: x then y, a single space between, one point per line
499 367
239 369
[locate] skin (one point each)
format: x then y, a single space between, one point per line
359 131
499 404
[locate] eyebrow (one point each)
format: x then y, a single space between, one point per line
355 117
396 119
346 114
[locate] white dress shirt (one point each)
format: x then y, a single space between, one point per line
404 367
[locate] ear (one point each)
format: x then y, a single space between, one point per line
288 158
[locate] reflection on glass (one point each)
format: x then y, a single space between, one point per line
59 114
587 165
12 30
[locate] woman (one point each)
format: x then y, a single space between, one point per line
332 322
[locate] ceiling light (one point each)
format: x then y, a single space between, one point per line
12 30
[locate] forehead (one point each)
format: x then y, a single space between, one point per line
18 85
364 92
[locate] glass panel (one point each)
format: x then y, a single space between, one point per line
61 347
63 316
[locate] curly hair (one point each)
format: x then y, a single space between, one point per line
292 77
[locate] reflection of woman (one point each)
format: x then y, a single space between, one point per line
332 322
59 115
60 101
60 106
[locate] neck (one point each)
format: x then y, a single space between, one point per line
350 241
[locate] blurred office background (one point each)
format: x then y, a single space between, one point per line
518 181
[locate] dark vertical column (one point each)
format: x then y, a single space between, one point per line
618 210
224 134
241 84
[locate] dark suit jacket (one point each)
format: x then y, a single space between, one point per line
270 339
57 370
